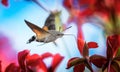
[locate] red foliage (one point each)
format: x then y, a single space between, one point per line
113 42
34 63
92 44
21 59
98 60
4 2
7 53
45 55
74 61
12 68
82 10
86 60
79 68
89 7
109 62
81 44
56 61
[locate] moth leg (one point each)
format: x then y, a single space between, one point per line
55 43
31 39
45 41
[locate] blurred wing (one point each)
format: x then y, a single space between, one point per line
53 22
58 22
40 33
50 23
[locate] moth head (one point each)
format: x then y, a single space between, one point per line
31 39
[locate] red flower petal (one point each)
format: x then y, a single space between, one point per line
114 40
46 55
75 61
12 68
57 58
113 70
86 12
42 66
67 4
115 66
85 50
110 68
35 62
80 44
98 60
92 45
79 68
4 2
109 50
21 59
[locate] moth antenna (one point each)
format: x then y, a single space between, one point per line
67 28
39 4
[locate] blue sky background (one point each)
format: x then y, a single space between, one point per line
12 24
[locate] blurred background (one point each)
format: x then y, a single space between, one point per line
14 33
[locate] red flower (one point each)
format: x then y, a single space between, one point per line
81 43
104 13
89 7
114 40
109 62
34 63
73 8
7 53
12 68
4 2
80 63
55 62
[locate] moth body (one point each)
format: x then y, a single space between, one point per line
48 33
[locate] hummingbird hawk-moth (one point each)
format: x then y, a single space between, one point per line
47 33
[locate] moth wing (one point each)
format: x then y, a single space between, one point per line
40 33
50 22
53 22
